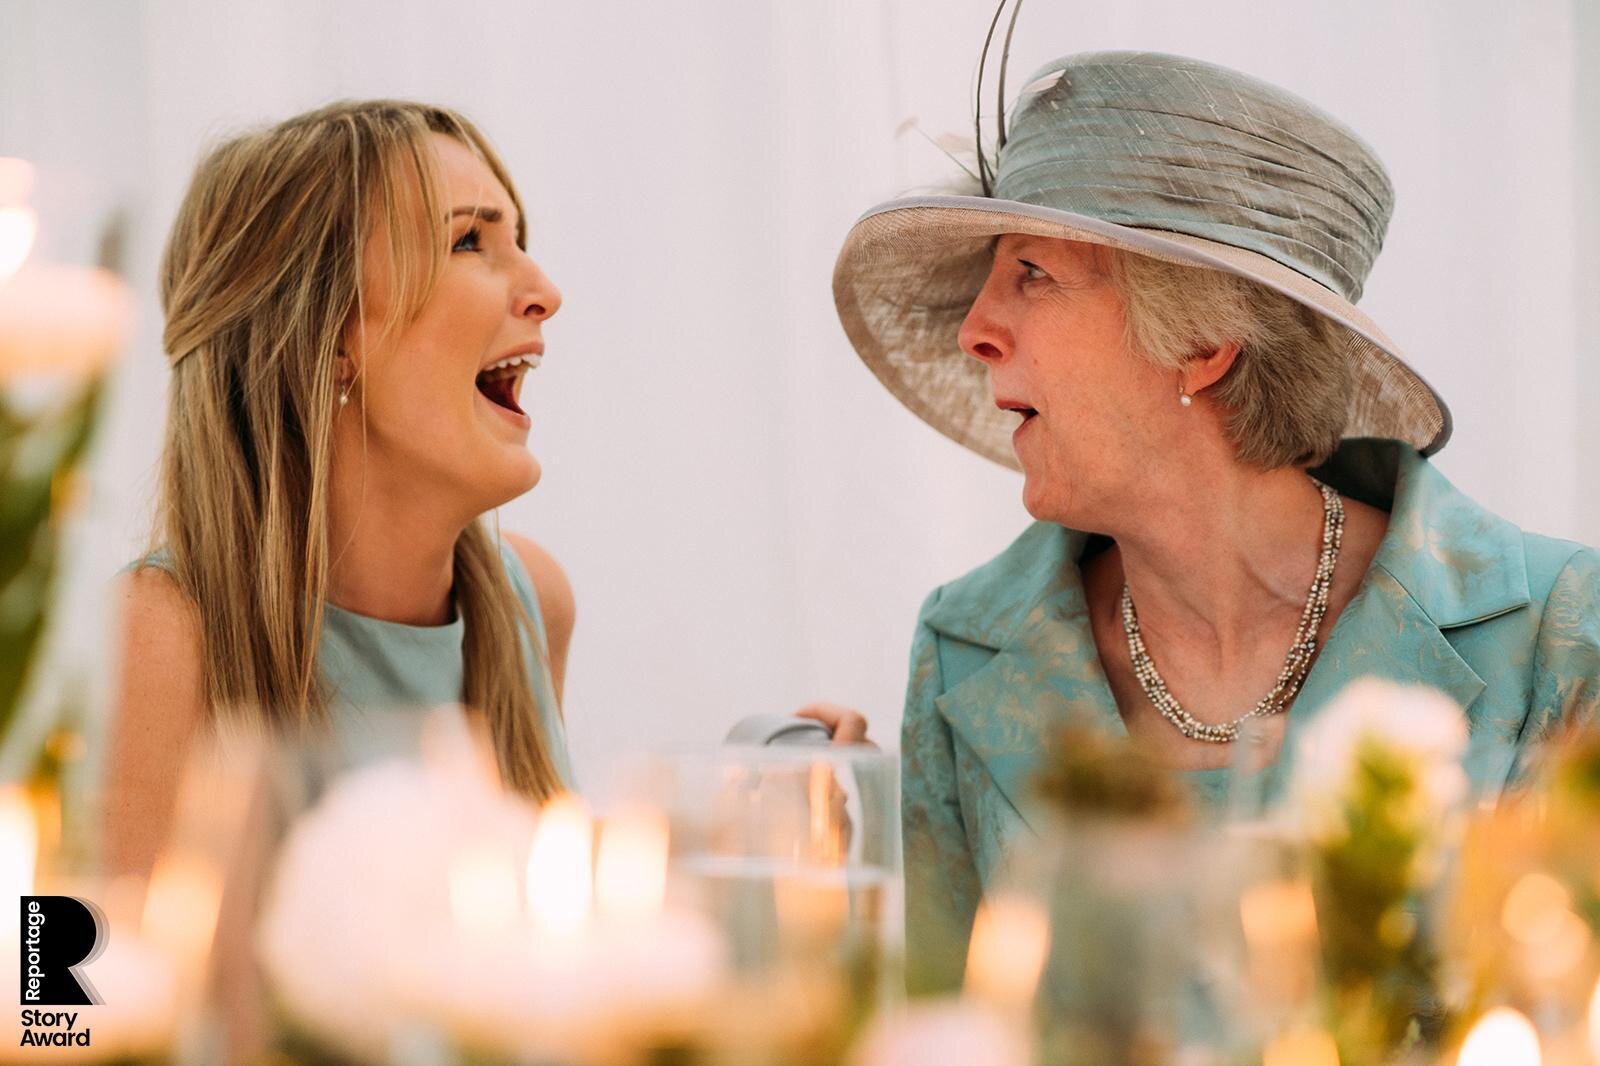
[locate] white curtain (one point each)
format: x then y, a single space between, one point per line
749 521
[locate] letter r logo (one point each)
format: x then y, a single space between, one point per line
59 934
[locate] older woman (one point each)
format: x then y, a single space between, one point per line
1227 459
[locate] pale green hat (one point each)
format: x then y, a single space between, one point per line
1168 157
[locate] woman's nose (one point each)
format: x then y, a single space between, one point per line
981 335
538 297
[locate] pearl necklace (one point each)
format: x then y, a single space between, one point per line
1295 667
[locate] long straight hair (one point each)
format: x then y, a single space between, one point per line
260 278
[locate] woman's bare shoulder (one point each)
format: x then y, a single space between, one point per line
152 597
556 601
162 648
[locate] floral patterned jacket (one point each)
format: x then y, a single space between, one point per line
1505 622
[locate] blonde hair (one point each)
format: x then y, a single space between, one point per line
1287 392
261 275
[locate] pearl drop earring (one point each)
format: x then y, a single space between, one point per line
1184 398
344 395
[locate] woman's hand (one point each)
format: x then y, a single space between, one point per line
847 726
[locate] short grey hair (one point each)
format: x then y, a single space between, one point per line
1288 391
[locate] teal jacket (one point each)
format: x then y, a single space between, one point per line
1505 622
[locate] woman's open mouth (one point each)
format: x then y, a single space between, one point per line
1023 411
500 382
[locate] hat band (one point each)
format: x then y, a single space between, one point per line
1221 166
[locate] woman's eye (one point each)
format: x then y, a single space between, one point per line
469 241
1030 271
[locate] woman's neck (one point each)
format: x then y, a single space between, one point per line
1224 566
391 556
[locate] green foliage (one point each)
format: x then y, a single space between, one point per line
1379 968
1090 772
38 455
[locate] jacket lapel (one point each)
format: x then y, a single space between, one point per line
1444 562
1045 670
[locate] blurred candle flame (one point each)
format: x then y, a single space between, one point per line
483 888
181 908
1533 907
1301 1047
19 842
1594 1022
1279 919
1538 915
1277 915
18 225
560 868
1010 937
631 871
1503 1037
825 801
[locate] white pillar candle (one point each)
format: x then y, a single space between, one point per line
60 321
631 871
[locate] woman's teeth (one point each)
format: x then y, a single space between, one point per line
498 381
530 361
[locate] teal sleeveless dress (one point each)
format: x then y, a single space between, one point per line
374 670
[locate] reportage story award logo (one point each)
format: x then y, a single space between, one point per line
60 934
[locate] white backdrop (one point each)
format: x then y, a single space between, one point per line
749 521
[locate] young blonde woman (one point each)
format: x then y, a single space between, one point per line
351 315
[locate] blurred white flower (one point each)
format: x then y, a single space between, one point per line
947 1030
1419 725
361 882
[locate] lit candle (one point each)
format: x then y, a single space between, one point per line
582 957
560 872
1538 915
54 320
596 955
944 1031
631 871
1005 958
657 959
1010 939
18 225
60 321
1301 1047
1279 919
134 978
1594 1023
19 846
181 908
1502 1037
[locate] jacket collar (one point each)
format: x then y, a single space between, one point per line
1444 562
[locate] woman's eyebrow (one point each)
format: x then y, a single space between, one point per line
487 214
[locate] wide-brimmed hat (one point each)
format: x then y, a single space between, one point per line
1164 156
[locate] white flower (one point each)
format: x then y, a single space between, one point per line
1420 725
360 884
946 1030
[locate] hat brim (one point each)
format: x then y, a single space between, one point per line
910 269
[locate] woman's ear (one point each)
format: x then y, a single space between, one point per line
1205 369
344 373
